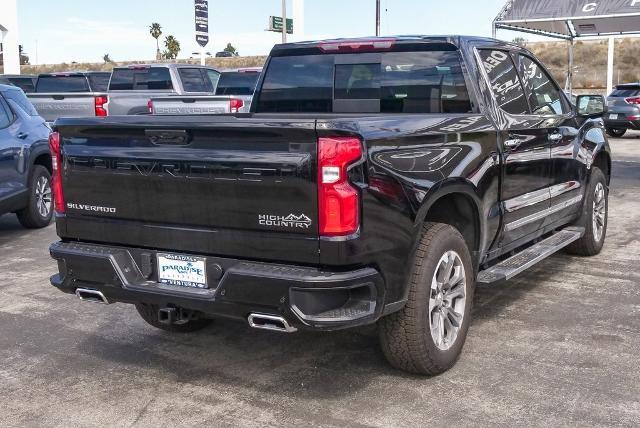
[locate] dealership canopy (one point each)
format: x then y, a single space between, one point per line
571 19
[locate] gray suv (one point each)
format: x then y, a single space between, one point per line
624 109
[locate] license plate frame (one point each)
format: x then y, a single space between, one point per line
182 270
613 116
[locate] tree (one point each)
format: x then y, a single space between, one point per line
24 58
521 41
231 49
172 46
156 31
107 59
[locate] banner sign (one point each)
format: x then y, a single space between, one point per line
202 22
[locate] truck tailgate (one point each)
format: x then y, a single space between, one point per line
54 106
218 185
185 105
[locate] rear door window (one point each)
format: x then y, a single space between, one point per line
62 83
504 81
544 95
390 82
21 100
150 78
194 80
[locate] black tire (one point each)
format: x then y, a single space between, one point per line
149 313
406 336
616 132
592 241
31 217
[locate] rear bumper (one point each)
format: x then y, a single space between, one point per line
622 124
307 298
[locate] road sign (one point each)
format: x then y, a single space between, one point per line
275 24
202 22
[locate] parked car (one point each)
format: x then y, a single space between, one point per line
233 95
72 94
26 82
25 162
624 109
375 180
224 54
132 87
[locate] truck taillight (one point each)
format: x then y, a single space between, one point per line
633 100
101 105
338 199
358 45
56 176
150 106
235 105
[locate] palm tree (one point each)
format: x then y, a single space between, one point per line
156 31
173 47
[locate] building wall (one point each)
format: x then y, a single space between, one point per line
9 36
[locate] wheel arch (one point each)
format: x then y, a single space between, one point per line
457 204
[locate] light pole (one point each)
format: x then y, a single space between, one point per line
284 21
377 18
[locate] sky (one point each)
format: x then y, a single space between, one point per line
83 31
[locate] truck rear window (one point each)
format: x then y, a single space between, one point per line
237 83
401 82
24 83
130 79
62 84
99 81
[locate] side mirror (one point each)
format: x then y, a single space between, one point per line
591 105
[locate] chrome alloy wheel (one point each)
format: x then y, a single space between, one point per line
43 197
599 212
447 301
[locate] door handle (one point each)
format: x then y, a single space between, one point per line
22 136
512 142
556 136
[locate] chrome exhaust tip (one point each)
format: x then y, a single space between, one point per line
89 295
270 322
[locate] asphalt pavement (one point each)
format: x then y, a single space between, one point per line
556 346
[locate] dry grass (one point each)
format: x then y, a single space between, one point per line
220 63
590 61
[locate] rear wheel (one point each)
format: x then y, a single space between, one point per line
427 335
616 132
594 217
39 210
149 313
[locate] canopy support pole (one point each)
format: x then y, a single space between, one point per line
569 85
612 47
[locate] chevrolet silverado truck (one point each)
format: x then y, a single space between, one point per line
374 180
233 95
72 94
131 88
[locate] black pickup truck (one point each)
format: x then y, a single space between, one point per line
374 180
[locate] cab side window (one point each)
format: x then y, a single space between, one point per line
544 96
504 81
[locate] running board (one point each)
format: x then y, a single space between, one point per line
522 261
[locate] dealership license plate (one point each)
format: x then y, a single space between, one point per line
185 271
613 116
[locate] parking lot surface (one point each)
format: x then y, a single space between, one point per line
558 345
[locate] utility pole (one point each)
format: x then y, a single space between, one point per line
284 21
377 18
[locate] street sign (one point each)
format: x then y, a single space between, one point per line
202 22
275 24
